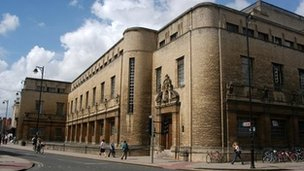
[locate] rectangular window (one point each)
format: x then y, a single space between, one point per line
51 89
162 43
80 102
41 106
59 134
112 126
158 79
71 107
278 129
173 36
113 87
289 43
301 78
102 127
243 129
180 72
277 76
131 85
263 36
102 89
60 90
232 27
60 109
250 32
247 71
276 40
76 101
87 100
94 97
300 47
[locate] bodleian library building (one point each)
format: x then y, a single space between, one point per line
212 76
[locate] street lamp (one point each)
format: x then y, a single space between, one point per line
40 92
5 124
248 18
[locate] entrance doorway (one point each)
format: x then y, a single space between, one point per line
166 131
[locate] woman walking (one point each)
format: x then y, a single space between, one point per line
237 152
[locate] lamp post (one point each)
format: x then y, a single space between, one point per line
4 124
40 92
248 18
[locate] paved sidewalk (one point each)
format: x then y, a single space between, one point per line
164 163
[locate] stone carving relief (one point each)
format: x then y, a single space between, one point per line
167 95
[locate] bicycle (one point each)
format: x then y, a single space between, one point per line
214 157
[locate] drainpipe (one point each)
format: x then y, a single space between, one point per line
190 84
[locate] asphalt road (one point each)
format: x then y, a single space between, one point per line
52 162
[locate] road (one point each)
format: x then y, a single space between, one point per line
51 162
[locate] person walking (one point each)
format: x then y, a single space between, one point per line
102 148
125 149
112 150
237 152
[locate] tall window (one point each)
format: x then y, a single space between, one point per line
278 129
301 77
180 72
80 102
102 89
246 70
71 107
113 87
277 76
87 100
301 130
60 109
94 96
76 101
131 84
158 79
41 106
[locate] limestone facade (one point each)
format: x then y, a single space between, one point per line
52 118
193 77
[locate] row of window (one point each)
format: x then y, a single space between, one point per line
50 89
264 36
278 128
277 70
59 107
74 103
94 70
172 38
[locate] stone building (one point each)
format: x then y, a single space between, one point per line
52 118
205 78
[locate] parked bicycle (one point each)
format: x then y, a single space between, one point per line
214 157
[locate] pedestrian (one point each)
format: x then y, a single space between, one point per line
102 148
237 152
125 149
112 150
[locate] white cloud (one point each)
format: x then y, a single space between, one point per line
86 44
8 23
238 4
73 2
300 9
3 65
41 24
19 70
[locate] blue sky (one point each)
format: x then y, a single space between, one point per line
67 36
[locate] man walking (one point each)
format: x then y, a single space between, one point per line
125 149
